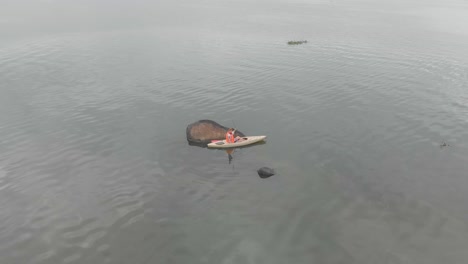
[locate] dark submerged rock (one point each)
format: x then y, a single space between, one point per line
265 172
203 131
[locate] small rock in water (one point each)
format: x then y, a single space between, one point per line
265 172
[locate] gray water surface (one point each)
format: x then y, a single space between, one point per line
95 97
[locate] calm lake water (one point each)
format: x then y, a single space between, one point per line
95 97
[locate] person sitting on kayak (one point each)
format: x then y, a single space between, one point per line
230 136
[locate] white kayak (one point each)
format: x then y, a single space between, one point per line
244 141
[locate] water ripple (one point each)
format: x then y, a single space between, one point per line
94 166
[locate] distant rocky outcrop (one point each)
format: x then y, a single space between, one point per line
297 42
